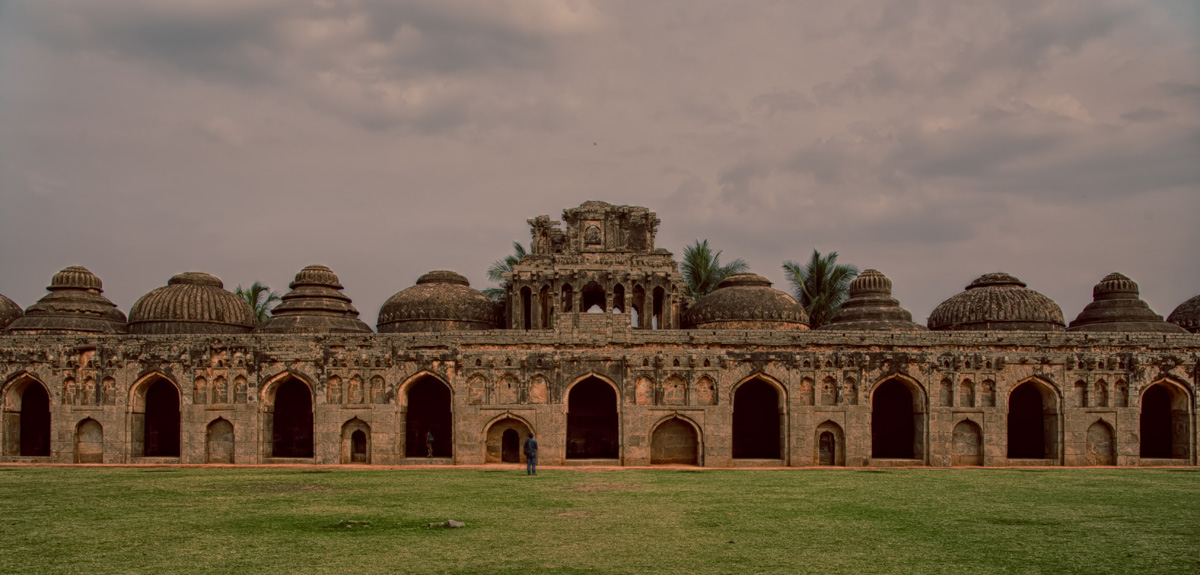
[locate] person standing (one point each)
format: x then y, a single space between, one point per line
531 449
429 444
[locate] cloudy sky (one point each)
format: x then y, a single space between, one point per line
1057 140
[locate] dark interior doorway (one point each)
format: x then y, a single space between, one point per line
292 433
429 412
162 420
593 298
358 446
510 446
592 421
827 447
35 421
1026 423
1155 426
892 422
756 416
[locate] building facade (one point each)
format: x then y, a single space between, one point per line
595 349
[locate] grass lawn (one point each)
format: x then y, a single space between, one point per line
280 520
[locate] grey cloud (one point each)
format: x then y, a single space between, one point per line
781 102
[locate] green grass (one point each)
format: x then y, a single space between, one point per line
145 520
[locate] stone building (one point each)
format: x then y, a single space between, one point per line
595 349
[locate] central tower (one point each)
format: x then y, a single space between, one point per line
603 261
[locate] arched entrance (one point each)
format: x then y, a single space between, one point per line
831 449
292 420
1164 422
356 442
1032 426
592 421
89 442
160 433
1101 449
503 441
35 420
428 411
218 441
756 421
897 421
967 444
675 441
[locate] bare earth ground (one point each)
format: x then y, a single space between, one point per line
343 519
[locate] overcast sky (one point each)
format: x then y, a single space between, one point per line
1056 140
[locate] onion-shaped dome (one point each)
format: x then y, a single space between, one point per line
872 307
746 301
441 301
1187 315
315 305
74 305
997 301
191 302
9 311
1116 307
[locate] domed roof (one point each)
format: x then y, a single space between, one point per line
191 302
997 301
315 305
9 311
872 307
1116 307
1187 315
746 301
74 305
441 301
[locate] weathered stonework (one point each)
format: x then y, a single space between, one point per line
601 387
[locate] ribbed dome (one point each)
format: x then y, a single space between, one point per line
9 311
1117 307
997 301
191 302
872 307
315 305
746 301
441 301
74 305
1187 315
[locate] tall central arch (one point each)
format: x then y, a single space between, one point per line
156 418
897 420
757 427
592 421
1032 422
428 411
290 420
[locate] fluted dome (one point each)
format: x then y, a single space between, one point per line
746 301
1116 307
1187 315
872 307
997 301
191 302
9 311
74 305
441 301
315 305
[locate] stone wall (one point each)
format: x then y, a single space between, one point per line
826 382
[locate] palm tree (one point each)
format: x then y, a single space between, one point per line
499 268
821 285
260 297
702 269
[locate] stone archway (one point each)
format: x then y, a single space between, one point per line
219 441
1163 424
356 442
1032 422
89 442
1101 444
160 419
757 421
675 441
831 445
503 440
897 420
34 428
592 422
291 421
428 410
967 444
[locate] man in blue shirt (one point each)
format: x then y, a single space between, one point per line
531 448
